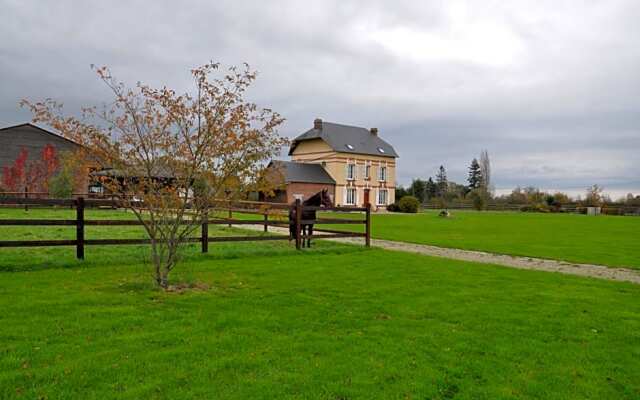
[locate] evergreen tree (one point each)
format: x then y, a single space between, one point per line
418 189
431 190
475 175
401 192
441 181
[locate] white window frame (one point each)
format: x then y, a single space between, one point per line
382 176
352 176
367 171
379 200
346 196
99 189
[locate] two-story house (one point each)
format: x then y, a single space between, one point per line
360 166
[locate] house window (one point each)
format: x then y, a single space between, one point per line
351 172
351 196
367 171
382 197
382 175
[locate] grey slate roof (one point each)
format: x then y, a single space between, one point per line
342 137
33 127
302 172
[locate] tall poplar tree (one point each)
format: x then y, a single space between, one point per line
441 181
485 167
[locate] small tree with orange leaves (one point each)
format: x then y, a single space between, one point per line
167 155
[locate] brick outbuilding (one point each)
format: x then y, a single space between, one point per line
298 180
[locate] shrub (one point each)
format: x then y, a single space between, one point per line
478 199
539 207
440 202
550 200
393 207
61 185
554 202
409 204
612 210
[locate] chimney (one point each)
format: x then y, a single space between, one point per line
317 124
374 131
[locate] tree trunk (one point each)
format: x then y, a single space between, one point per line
163 279
163 261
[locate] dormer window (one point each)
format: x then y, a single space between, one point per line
350 147
380 150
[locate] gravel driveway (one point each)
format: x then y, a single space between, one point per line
589 270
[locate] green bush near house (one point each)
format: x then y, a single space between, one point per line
409 204
393 207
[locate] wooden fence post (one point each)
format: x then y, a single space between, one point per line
266 221
205 231
230 215
298 225
367 238
80 228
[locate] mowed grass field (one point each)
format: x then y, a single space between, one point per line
605 240
332 322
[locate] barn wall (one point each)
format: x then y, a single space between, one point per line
34 140
30 138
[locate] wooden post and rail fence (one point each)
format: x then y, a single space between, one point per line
80 222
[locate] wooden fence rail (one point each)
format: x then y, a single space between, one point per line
80 222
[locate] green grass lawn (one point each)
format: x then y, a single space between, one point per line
333 322
605 240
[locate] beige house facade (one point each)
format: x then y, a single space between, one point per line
361 163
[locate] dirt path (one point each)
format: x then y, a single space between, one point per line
590 270
540 264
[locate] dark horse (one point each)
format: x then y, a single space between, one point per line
319 199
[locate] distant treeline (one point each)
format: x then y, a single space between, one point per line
478 193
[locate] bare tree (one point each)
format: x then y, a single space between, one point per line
167 155
594 197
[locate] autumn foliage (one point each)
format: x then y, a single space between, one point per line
31 175
169 156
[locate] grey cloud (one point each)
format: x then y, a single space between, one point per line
550 89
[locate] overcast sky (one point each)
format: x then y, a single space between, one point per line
550 88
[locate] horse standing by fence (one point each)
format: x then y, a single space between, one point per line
319 199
